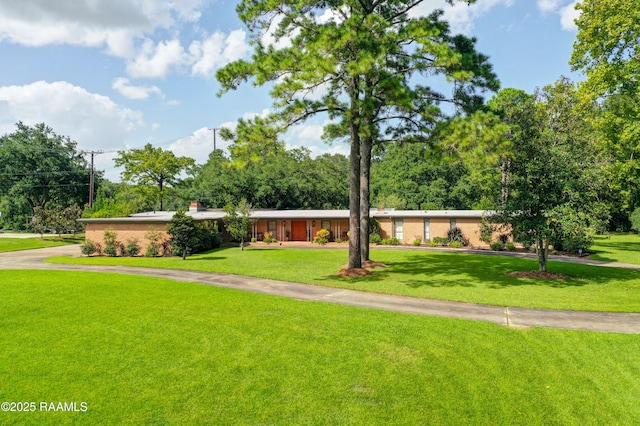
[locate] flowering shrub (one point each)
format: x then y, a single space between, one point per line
322 237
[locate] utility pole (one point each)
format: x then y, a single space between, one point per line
214 135
91 173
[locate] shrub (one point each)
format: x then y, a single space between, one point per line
486 230
88 248
417 241
456 235
634 218
432 244
153 236
253 239
322 237
111 242
268 238
497 245
375 239
111 250
510 246
338 240
455 244
390 241
152 250
207 236
132 248
440 241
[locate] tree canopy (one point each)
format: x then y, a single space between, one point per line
359 62
39 169
153 166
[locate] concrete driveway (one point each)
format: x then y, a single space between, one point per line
507 316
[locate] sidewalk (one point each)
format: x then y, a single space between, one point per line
513 317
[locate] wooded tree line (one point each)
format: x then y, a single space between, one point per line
565 153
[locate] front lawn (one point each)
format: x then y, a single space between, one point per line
15 244
141 350
435 275
617 248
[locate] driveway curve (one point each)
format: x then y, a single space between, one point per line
513 317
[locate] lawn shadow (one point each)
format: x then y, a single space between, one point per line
615 246
440 270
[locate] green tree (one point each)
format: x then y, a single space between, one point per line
120 200
253 140
153 166
360 67
607 50
39 168
237 221
182 229
547 193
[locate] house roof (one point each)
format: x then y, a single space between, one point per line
217 214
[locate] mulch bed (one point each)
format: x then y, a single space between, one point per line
540 275
367 266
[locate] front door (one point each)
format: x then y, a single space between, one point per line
298 230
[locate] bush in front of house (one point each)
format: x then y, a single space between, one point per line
132 248
111 243
497 245
439 241
375 238
269 238
390 241
88 248
322 237
456 235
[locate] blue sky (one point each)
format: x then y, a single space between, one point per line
116 74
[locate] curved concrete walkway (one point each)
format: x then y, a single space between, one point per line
513 317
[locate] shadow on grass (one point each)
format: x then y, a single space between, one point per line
614 247
442 270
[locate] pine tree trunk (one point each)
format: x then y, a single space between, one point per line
355 248
365 202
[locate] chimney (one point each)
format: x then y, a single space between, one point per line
196 206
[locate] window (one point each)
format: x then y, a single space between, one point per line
326 224
427 230
398 229
452 223
272 227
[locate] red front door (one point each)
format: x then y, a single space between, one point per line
298 230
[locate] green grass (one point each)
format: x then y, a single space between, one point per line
617 248
139 350
15 244
435 275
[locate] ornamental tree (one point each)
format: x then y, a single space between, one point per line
363 64
153 166
182 229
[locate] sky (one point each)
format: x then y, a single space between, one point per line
118 74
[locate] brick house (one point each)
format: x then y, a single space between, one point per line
302 225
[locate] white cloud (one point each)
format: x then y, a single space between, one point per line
198 145
568 15
460 16
93 121
217 50
113 24
549 5
123 86
565 8
156 60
